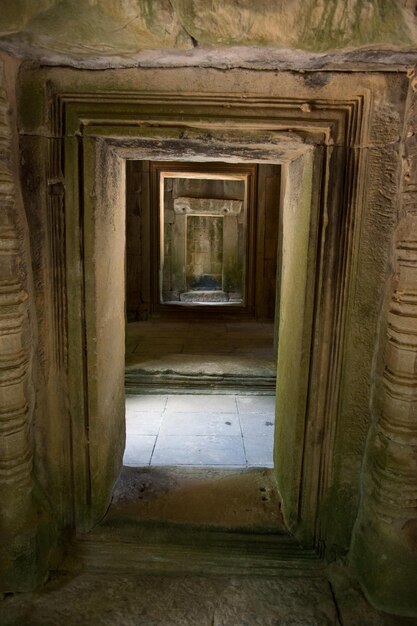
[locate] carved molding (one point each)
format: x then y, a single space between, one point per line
393 493
335 122
394 471
385 532
15 450
207 206
56 229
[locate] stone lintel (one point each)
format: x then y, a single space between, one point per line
207 206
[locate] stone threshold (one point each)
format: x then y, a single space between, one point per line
169 549
201 373
149 384
203 521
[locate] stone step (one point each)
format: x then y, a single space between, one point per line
201 373
152 548
137 382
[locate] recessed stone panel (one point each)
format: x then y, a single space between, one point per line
203 239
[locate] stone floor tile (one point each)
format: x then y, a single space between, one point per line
146 403
278 602
257 424
149 341
256 404
207 327
201 403
198 429
207 349
112 599
218 424
131 341
160 342
259 451
199 450
143 422
253 352
249 326
168 325
144 354
138 450
92 599
259 337
148 331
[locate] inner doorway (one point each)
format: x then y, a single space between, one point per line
201 242
201 270
315 275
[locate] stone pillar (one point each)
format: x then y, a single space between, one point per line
384 548
23 545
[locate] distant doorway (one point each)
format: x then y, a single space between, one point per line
201 236
201 246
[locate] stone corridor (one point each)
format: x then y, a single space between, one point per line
170 159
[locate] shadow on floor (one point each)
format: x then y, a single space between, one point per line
208 497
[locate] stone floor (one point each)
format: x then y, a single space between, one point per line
158 338
165 355
100 599
180 429
200 497
199 430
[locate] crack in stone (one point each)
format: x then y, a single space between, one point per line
117 30
338 614
194 41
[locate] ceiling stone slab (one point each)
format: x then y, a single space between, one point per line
316 25
88 27
105 29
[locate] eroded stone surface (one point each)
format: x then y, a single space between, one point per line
103 600
127 600
24 523
84 27
310 25
353 609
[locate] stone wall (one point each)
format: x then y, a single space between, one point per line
26 530
385 538
86 29
375 206
367 378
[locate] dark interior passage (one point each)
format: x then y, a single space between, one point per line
201 240
201 271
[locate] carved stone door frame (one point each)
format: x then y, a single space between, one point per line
92 137
309 281
249 172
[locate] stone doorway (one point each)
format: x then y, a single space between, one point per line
312 145
202 243
324 129
103 327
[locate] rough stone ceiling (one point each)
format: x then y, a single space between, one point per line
124 32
